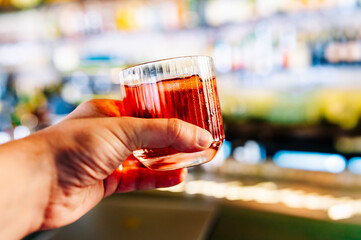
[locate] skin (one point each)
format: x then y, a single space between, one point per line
53 177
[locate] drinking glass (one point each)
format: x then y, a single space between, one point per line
182 87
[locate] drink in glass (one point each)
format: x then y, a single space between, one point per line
183 88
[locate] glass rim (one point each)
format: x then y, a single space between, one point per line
169 68
166 60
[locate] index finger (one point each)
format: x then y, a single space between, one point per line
98 108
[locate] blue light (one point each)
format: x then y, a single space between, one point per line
227 149
354 165
311 161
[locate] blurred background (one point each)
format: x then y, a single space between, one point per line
289 81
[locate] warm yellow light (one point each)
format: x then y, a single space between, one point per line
232 193
312 201
269 193
292 199
193 187
177 188
267 196
341 211
25 3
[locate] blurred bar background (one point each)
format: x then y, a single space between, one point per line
289 80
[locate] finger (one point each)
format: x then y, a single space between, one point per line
132 178
142 179
103 144
98 108
113 108
136 133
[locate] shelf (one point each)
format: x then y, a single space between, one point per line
317 138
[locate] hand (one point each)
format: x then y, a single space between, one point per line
90 145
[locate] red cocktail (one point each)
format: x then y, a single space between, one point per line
183 88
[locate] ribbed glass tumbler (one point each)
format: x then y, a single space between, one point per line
184 88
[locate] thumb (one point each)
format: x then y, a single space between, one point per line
138 133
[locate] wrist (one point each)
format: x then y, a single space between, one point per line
26 176
41 165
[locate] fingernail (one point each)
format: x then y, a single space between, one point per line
204 138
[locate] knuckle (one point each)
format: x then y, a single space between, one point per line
87 104
174 129
128 133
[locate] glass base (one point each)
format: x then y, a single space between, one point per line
175 160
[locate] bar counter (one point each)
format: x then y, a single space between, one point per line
235 201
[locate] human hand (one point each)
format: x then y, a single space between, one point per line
90 148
